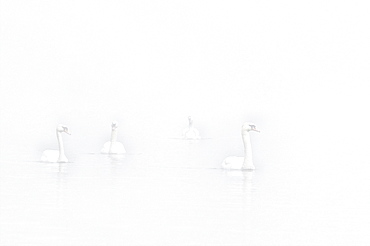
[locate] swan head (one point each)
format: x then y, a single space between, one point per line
114 125
63 128
248 126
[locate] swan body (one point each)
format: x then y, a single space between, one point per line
113 146
245 162
56 155
51 155
190 132
235 162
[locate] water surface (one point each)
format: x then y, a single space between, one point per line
176 194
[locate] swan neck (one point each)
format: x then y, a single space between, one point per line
114 134
61 145
190 123
247 149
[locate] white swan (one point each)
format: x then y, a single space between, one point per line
112 146
56 155
246 162
190 132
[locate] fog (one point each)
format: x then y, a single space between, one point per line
298 70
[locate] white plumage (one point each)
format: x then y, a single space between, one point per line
56 155
245 162
190 132
113 146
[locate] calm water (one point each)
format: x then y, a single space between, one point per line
175 194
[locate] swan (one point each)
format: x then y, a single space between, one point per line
190 132
112 146
56 155
246 162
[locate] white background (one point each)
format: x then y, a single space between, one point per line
298 70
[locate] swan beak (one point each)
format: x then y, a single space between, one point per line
254 129
66 131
